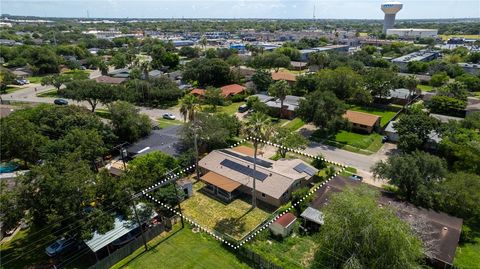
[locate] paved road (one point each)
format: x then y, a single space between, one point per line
29 94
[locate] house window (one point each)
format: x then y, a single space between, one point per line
223 193
211 188
263 194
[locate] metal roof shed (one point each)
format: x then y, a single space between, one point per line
122 227
313 215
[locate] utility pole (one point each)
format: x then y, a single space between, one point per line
139 223
178 202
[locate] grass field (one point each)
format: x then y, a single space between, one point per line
425 88
27 250
468 255
230 109
49 93
447 37
181 248
355 142
295 124
164 123
386 115
11 89
235 219
292 252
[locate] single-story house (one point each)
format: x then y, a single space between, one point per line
262 97
154 74
288 77
120 73
165 140
290 104
109 80
227 90
232 89
363 121
400 96
228 174
444 230
393 136
298 65
444 118
283 226
20 74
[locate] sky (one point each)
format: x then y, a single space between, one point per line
285 9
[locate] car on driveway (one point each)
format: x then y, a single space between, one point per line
60 102
168 116
60 246
356 177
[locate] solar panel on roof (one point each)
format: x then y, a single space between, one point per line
244 169
248 158
301 167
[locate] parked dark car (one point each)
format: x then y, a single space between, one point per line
242 108
60 102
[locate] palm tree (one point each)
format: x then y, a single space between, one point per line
188 105
203 41
259 127
280 89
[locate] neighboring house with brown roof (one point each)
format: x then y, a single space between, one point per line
198 92
443 232
288 77
232 89
363 121
227 90
228 174
109 80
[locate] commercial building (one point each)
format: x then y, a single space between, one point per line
413 33
420 56
228 173
305 53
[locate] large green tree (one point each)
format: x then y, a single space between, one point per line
128 124
323 109
415 174
290 140
55 80
359 234
414 130
208 72
262 80
90 91
342 81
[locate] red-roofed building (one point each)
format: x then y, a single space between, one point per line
198 92
284 225
227 90
232 89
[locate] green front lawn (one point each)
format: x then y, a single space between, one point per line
295 251
77 74
235 219
230 109
181 248
295 124
425 88
11 89
386 115
49 93
351 141
164 123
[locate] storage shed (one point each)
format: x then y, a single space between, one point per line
284 225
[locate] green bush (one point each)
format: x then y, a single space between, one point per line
466 236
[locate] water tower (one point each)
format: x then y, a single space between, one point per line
390 9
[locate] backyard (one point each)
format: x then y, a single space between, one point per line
386 114
181 248
467 253
294 251
235 219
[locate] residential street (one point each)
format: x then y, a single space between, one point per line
29 95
